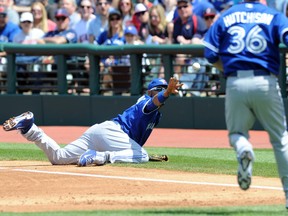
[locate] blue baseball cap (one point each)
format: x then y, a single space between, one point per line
130 30
157 82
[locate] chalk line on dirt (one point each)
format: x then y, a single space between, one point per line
138 179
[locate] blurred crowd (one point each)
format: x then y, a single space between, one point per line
116 22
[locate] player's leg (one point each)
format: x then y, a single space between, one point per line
238 115
56 155
270 111
109 138
119 145
239 119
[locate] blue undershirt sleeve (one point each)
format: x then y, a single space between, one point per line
150 106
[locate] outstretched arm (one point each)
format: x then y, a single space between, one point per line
172 88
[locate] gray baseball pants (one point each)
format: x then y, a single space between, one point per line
107 137
249 97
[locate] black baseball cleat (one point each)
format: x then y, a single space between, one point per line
22 122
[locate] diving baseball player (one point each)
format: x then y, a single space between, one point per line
243 43
118 140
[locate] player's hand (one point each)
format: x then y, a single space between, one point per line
173 87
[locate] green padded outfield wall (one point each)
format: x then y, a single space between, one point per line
186 113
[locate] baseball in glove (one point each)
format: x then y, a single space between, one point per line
158 158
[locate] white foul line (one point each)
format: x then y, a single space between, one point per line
141 179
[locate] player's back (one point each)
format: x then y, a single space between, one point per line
250 33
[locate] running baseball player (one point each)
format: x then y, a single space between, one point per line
244 44
118 140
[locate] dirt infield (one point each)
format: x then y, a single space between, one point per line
33 186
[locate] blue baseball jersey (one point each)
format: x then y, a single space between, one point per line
244 37
137 123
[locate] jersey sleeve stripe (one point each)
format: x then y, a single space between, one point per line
282 34
211 47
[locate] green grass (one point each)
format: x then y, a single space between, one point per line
229 211
217 161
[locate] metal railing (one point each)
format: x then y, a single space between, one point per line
79 67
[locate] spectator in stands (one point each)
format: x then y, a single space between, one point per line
22 5
71 8
28 35
142 15
126 9
131 36
63 34
209 16
7 29
157 25
12 14
100 23
50 9
198 6
113 36
41 20
188 28
87 16
7 32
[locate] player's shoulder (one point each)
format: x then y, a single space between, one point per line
143 98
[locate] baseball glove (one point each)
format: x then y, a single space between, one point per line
158 158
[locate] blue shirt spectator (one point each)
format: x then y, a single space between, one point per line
7 29
100 23
114 40
114 35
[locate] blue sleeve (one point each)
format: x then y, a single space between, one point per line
102 38
211 44
150 106
282 21
15 31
